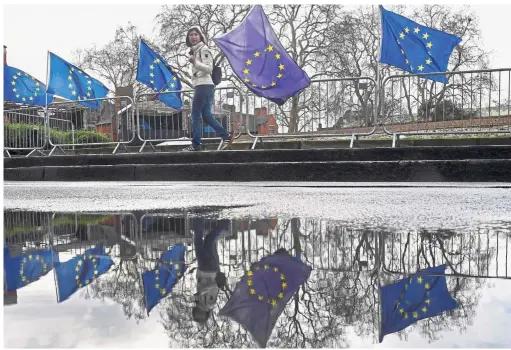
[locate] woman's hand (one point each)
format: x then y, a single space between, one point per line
191 60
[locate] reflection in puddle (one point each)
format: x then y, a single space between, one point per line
164 266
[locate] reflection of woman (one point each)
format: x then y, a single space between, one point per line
209 277
202 67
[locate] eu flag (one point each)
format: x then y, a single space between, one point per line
81 271
21 87
415 298
413 47
28 267
69 81
259 59
262 294
159 282
154 72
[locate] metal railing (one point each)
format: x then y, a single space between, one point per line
471 102
158 123
95 125
24 129
340 107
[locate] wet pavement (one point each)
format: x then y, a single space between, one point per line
355 239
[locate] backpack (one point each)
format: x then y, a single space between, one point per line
216 74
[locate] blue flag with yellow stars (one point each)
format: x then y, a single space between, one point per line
262 294
81 271
413 47
154 72
258 58
21 87
68 81
415 298
28 267
159 282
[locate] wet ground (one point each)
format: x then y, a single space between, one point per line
355 237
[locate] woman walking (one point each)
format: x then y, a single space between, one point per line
202 67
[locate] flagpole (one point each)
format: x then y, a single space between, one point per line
47 114
378 75
379 252
52 255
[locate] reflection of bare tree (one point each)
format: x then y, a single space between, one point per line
466 254
341 293
123 285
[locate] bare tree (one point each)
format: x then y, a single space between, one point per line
116 62
355 36
174 21
301 30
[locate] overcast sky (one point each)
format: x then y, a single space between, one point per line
75 27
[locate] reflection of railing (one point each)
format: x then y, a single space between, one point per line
474 255
325 245
26 230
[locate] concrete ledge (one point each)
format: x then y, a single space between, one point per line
89 173
496 170
254 156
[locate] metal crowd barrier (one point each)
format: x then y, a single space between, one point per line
471 102
342 107
24 129
157 123
90 126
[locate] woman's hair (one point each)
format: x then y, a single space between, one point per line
198 31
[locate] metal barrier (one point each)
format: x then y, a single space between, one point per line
157 123
91 126
472 102
24 129
327 108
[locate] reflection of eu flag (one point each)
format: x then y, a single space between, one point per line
81 271
154 72
20 87
69 81
415 48
262 294
28 267
412 299
259 59
159 282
